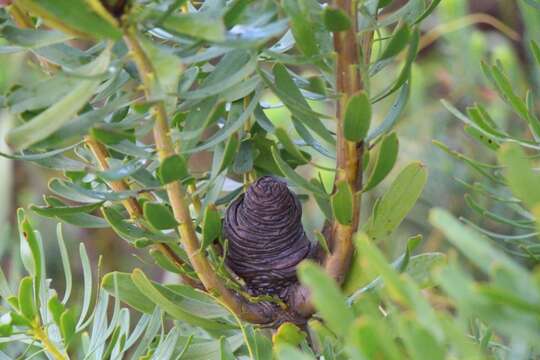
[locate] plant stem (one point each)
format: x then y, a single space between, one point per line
349 154
101 155
177 197
133 207
42 337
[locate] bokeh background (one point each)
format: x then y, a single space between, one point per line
455 39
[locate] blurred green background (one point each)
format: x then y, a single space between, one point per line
455 39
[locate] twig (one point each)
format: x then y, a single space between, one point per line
133 207
48 345
177 197
349 154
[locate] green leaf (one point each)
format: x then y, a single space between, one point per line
73 16
33 38
475 247
52 210
398 42
336 19
120 284
56 308
198 25
289 145
137 236
482 138
287 91
231 126
110 136
68 325
294 177
172 169
288 352
342 203
357 117
321 240
173 309
393 115
159 216
385 162
52 119
536 51
225 350
243 162
26 298
211 228
298 12
405 73
395 204
65 263
231 149
518 172
30 248
71 215
235 67
288 333
327 297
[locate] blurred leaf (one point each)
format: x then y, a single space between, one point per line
427 11
535 50
288 352
50 120
231 149
67 325
56 308
478 135
371 339
123 170
51 210
289 145
519 174
235 67
111 136
336 19
288 333
327 297
26 298
30 249
211 228
404 75
159 216
396 203
393 115
243 162
65 263
386 159
33 38
342 203
75 17
198 25
357 117
397 43
301 25
476 248
172 169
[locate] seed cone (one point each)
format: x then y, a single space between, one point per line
266 237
